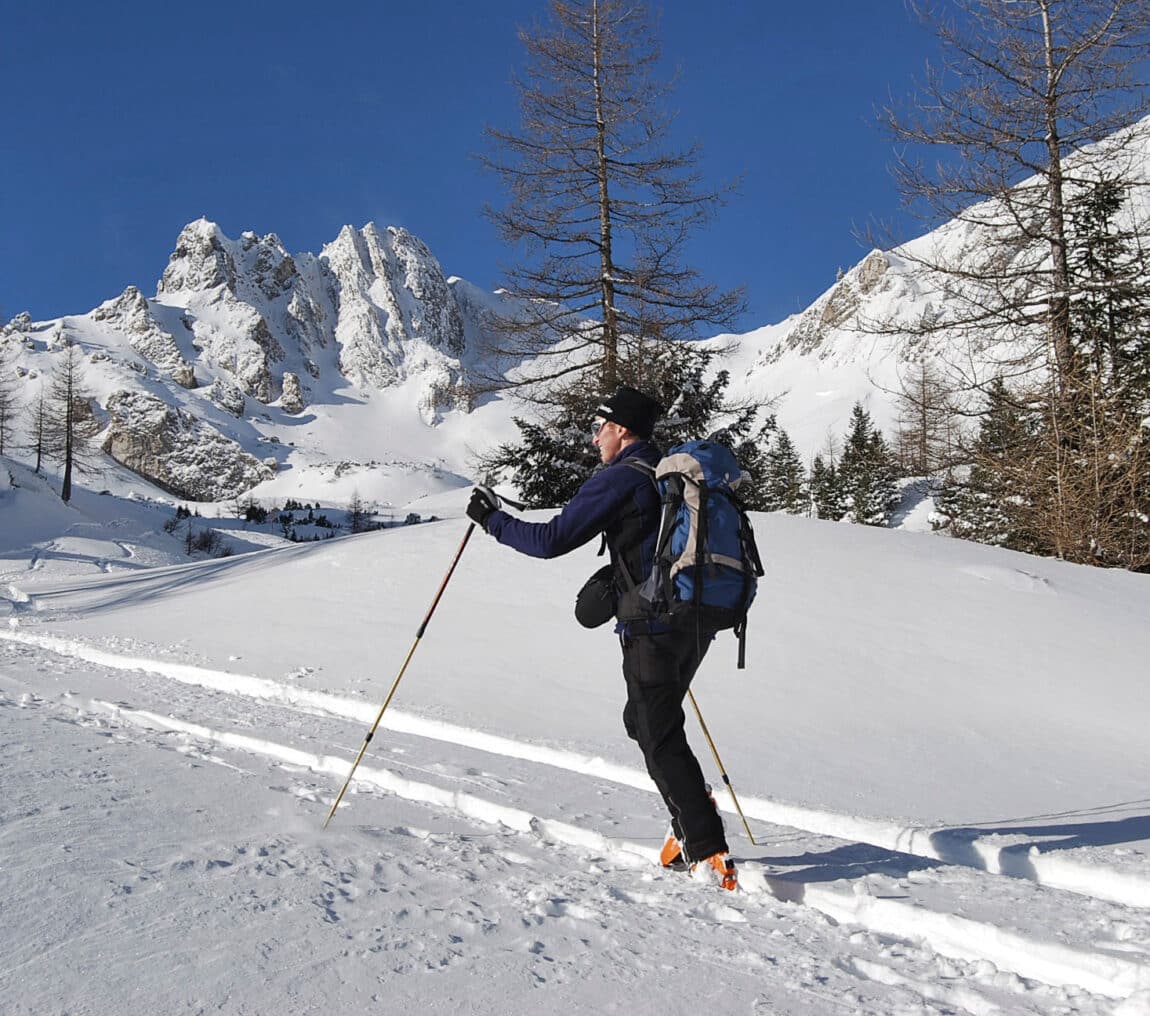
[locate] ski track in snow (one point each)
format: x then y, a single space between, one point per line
1041 933
423 896
1020 860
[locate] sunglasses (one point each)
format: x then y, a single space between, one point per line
597 425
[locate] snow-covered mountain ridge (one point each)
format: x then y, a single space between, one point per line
860 339
317 376
376 300
205 388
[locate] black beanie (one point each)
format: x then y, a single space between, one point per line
630 408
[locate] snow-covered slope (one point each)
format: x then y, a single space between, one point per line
864 335
940 749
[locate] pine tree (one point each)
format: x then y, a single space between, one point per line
752 454
826 490
968 507
786 483
38 428
1089 468
990 500
601 210
554 457
550 461
866 472
358 514
62 422
66 392
1110 314
1040 100
1069 475
1021 94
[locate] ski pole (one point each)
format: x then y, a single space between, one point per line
398 677
722 770
517 505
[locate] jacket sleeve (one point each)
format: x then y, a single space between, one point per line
585 516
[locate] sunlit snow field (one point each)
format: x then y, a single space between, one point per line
940 749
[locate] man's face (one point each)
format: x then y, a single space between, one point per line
608 438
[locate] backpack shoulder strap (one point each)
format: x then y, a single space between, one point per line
647 470
643 467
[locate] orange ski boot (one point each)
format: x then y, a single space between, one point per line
718 869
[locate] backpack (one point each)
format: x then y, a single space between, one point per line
706 567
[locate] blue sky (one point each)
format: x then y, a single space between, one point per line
122 122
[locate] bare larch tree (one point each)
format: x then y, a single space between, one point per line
1036 106
66 423
1023 93
599 204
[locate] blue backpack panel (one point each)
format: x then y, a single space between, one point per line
706 568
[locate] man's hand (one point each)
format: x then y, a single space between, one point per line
483 502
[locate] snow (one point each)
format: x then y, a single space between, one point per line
939 747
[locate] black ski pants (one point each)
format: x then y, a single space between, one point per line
658 670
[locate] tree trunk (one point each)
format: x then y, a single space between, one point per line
1059 303
609 375
69 429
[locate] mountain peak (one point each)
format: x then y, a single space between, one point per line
242 333
200 261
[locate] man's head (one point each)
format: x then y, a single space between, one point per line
626 416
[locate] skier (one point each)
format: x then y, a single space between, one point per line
658 662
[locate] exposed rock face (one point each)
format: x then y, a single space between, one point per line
174 450
228 397
380 296
395 305
433 315
269 268
874 266
292 400
131 314
20 323
837 307
199 262
229 289
307 323
361 330
252 321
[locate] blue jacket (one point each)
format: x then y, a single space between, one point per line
617 500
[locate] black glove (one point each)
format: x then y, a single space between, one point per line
483 502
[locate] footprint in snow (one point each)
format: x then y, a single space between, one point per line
717 912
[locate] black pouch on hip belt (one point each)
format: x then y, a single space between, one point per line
595 603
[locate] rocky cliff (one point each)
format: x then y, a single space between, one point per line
242 329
